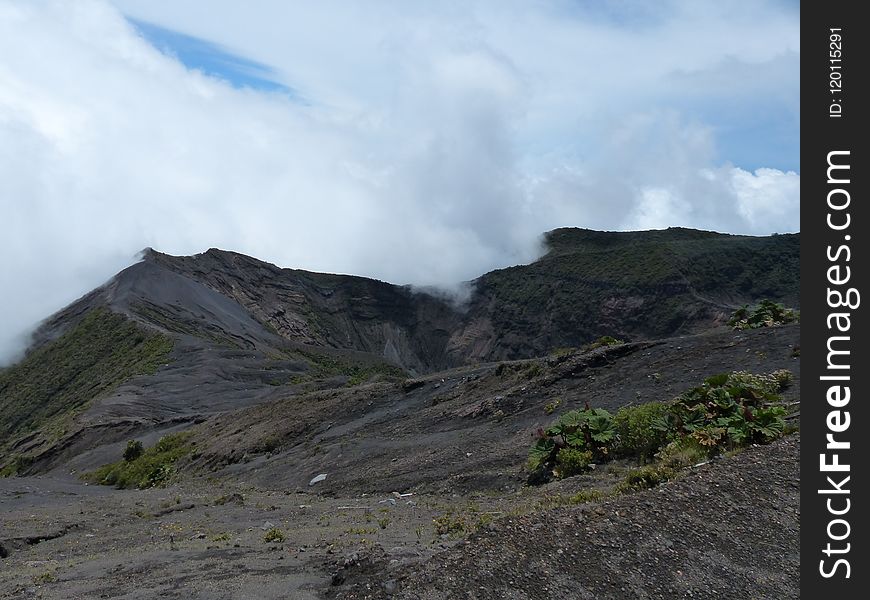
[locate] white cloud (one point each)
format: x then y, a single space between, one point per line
439 142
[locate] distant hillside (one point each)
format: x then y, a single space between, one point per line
173 340
631 285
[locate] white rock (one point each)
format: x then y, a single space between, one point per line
318 479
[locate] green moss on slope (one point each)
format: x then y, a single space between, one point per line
58 380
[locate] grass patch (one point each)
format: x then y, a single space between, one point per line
58 380
154 467
324 366
645 478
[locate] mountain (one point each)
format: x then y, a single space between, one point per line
174 339
309 435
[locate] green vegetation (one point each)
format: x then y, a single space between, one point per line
584 496
154 467
164 317
551 407
725 413
578 436
730 410
133 450
58 380
571 461
324 366
656 280
766 314
641 430
683 452
645 477
602 342
274 535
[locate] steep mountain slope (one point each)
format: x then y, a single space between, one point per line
244 332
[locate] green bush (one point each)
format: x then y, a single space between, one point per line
641 430
730 410
274 535
589 430
727 411
766 314
452 525
133 450
154 467
571 461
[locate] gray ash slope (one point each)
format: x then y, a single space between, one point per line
729 529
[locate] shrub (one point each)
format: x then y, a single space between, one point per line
589 430
570 461
274 535
727 411
783 378
641 430
766 314
154 467
133 450
730 410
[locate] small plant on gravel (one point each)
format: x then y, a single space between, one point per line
46 577
682 453
221 537
383 522
766 314
602 342
450 524
551 407
533 370
783 377
584 496
274 535
645 477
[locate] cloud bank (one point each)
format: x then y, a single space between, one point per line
433 144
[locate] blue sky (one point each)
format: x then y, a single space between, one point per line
211 58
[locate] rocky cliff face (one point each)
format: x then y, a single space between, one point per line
633 285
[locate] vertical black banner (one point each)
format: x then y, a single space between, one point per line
835 371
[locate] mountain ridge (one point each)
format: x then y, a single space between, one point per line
250 332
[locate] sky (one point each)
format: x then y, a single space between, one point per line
420 143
